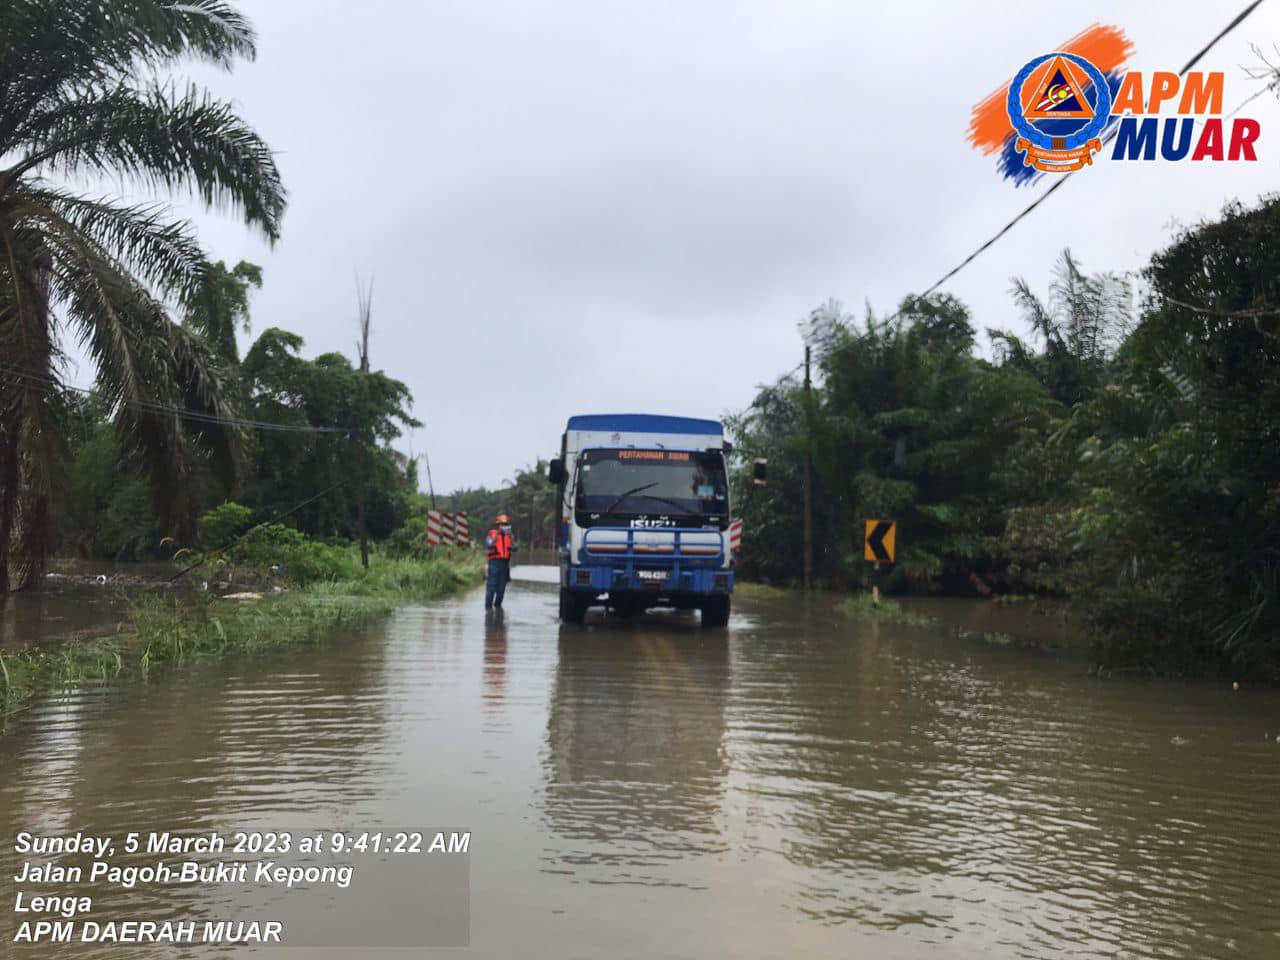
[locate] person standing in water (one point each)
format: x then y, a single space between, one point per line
501 543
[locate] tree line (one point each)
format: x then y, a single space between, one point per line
527 498
177 421
1126 456
337 423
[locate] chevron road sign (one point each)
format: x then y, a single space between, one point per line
877 544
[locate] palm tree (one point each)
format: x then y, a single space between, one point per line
75 108
1082 324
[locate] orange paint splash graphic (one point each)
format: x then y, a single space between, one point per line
1106 47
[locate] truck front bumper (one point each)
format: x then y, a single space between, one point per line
646 578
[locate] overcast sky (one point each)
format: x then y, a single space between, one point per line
581 206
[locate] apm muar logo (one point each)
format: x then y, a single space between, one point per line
1065 109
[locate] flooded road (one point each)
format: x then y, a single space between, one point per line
800 785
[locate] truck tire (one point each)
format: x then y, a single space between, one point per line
715 612
573 606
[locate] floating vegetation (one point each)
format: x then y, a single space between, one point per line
889 611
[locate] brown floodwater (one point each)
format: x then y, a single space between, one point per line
84 599
799 785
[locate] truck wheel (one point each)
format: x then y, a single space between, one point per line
573 606
715 612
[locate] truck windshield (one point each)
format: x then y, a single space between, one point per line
646 482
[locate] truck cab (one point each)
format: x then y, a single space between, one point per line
644 515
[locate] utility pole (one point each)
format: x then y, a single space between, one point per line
808 480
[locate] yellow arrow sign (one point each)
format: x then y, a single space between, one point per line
877 543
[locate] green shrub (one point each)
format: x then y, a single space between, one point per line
409 540
404 567
219 525
300 559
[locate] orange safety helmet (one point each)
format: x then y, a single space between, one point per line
503 518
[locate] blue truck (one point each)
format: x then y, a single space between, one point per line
644 507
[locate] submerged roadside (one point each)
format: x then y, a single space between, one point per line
162 629
1030 623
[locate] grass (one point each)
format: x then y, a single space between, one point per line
856 605
163 631
889 611
761 591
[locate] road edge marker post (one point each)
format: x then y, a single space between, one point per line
879 545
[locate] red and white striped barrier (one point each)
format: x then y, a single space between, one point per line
735 535
433 528
447 529
460 531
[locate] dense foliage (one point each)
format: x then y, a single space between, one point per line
288 467
1131 463
176 421
81 102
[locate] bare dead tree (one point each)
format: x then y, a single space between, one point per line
1268 71
364 318
364 302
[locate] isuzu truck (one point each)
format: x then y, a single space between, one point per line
644 508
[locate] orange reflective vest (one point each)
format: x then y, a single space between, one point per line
499 545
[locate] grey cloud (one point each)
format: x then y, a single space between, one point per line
580 206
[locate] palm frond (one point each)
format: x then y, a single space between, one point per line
206 389
160 138
160 252
1034 312
71 46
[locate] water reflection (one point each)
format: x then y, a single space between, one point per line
495 656
266 742
959 792
636 763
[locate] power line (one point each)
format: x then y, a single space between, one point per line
51 385
1253 314
1239 18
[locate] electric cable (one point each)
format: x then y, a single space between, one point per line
51 385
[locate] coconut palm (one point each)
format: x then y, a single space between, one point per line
80 106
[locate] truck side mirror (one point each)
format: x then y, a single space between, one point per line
759 471
555 471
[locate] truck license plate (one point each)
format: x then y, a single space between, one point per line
652 576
